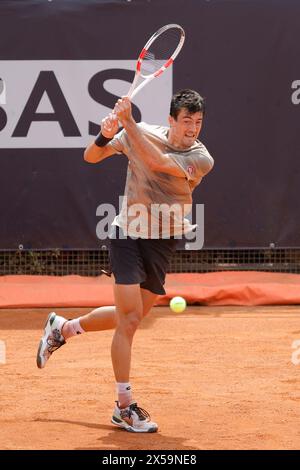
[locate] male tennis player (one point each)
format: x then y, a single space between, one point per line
165 165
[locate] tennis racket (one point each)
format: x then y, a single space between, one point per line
157 55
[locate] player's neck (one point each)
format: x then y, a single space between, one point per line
174 141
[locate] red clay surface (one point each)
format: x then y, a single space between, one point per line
211 377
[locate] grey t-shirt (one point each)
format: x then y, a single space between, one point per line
155 204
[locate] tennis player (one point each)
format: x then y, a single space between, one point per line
165 164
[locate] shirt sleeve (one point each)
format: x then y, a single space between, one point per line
117 142
120 142
196 164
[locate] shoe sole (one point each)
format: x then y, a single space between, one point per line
39 360
129 428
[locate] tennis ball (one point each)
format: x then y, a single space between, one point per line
177 304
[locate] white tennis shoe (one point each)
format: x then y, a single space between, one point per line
51 340
133 419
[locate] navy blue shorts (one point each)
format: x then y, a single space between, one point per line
141 261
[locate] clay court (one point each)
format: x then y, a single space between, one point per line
212 377
225 373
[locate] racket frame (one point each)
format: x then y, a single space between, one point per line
133 89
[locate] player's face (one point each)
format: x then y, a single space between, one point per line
185 129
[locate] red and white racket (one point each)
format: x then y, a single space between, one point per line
158 54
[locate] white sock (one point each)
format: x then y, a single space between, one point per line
72 328
124 394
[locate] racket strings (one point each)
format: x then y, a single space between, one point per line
160 51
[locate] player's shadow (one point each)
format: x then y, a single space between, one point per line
118 439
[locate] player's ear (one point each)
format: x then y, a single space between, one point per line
171 120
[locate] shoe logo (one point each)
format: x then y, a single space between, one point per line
126 416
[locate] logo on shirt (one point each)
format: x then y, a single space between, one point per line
190 170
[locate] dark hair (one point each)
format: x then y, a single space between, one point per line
188 99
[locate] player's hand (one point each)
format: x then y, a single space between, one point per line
123 110
109 126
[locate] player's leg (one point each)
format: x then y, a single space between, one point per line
155 256
105 318
129 306
148 299
58 329
99 319
132 304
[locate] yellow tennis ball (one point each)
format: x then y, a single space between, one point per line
177 304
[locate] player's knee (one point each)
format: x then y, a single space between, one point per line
131 322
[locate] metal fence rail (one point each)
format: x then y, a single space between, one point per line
90 263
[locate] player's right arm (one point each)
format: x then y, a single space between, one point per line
93 153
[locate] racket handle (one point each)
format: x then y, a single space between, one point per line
133 92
